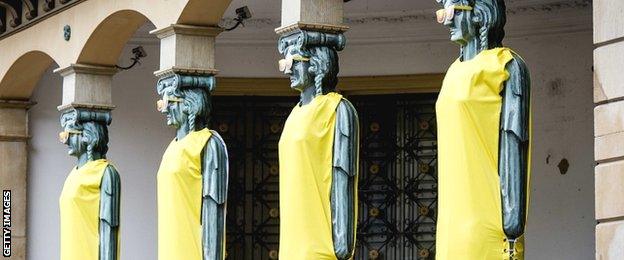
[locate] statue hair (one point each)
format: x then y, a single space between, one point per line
197 106
96 135
492 25
324 61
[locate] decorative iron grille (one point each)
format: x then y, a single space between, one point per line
397 185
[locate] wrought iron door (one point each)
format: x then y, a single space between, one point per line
397 181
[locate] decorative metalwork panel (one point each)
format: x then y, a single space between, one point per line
398 181
251 128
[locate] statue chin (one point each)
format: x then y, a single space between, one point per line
298 85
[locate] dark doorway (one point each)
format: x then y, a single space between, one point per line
397 184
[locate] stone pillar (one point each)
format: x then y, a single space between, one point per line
314 15
13 171
87 86
609 128
187 50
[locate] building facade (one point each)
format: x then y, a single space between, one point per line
392 69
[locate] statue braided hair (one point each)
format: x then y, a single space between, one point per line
96 135
492 19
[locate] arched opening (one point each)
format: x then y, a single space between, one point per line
108 39
206 13
22 77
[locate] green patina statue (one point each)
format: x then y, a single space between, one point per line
311 61
86 133
202 156
477 26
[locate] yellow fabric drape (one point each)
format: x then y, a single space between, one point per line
305 160
468 117
180 198
80 212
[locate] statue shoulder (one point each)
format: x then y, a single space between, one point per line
215 144
347 118
215 169
345 107
110 180
519 77
516 64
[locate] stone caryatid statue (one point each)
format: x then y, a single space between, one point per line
193 174
318 153
483 114
90 200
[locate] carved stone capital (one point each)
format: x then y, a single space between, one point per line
181 81
82 115
318 27
302 39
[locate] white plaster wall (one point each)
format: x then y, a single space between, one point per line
561 224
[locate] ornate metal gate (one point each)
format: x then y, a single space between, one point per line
398 181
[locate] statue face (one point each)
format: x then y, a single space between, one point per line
72 135
172 107
298 68
458 16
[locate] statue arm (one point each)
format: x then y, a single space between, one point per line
214 198
344 179
514 147
215 169
110 193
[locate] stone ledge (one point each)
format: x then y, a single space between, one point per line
86 69
609 192
609 240
74 105
609 118
183 29
16 104
185 71
608 76
609 147
608 20
317 27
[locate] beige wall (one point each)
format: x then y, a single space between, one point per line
609 125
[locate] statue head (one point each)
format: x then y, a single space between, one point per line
467 19
185 100
311 60
85 132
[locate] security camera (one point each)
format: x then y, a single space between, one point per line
139 52
243 13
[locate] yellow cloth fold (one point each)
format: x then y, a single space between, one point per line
469 224
305 159
80 212
180 198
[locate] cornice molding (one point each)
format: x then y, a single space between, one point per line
525 18
515 8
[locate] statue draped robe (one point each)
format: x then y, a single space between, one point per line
306 164
180 198
80 212
468 116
